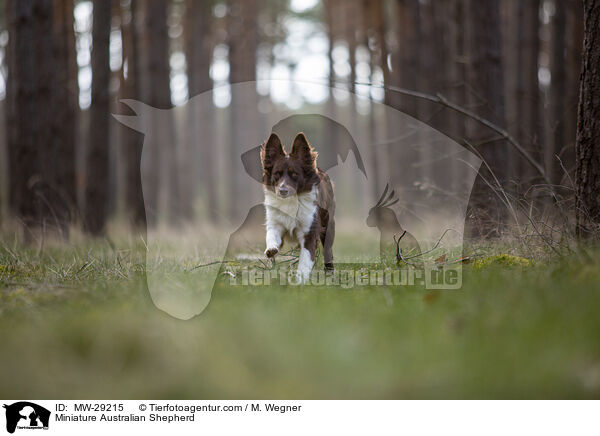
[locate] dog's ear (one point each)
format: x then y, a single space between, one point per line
302 150
271 151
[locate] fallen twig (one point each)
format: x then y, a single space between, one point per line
211 263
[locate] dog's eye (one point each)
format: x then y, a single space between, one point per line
293 175
277 174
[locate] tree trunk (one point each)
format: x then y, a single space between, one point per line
510 53
65 110
96 188
434 71
486 80
528 94
408 64
242 25
199 55
434 64
588 126
335 29
558 90
351 23
380 51
160 149
4 136
574 49
406 70
374 32
330 9
29 109
132 141
4 213
457 77
46 139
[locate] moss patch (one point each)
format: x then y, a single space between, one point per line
502 260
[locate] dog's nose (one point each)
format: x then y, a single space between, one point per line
283 192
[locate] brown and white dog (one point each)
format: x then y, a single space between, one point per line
299 202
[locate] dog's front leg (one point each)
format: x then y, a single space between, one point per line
274 235
306 261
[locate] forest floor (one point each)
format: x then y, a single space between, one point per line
77 322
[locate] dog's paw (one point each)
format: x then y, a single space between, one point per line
271 252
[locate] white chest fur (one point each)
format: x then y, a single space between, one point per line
293 215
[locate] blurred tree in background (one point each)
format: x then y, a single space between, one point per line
66 63
588 126
97 172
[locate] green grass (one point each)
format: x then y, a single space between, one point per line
78 322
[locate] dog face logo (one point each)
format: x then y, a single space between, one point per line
26 415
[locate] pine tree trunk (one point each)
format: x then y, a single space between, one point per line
528 94
373 33
160 193
29 109
378 14
487 82
132 141
46 139
588 126
350 30
65 110
574 50
406 69
4 213
96 188
486 77
510 60
457 76
199 54
3 137
407 65
242 27
558 90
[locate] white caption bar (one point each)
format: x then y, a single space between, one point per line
300 417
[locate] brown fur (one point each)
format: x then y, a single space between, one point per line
296 173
